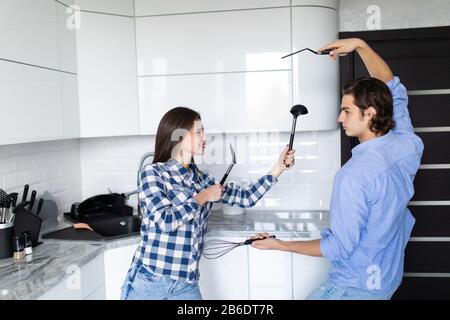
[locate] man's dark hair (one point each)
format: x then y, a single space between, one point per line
371 92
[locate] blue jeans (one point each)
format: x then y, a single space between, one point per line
144 284
332 292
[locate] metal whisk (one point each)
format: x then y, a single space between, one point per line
215 248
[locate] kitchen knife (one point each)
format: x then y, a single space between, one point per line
39 207
25 192
32 199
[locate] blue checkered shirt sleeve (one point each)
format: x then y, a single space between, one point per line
244 197
169 209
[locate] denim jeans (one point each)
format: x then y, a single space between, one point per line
144 284
332 292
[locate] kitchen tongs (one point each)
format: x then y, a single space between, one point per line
326 51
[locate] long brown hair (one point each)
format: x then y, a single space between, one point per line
179 118
371 92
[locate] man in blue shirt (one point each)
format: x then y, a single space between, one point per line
370 222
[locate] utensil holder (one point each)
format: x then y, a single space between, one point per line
6 236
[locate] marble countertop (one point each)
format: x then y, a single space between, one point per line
45 268
33 276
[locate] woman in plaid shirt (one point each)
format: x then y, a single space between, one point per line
175 197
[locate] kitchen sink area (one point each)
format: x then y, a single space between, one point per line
103 229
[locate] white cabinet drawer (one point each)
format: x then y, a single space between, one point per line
225 278
270 274
117 263
308 274
92 275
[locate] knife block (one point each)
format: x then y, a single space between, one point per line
24 220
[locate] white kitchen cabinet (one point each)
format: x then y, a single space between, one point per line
270 274
28 32
308 273
201 43
225 278
325 3
35 32
67 44
215 72
98 294
154 7
315 78
85 282
93 276
227 102
31 104
70 109
38 78
117 263
120 7
62 292
249 273
107 83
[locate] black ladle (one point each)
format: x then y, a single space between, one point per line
296 111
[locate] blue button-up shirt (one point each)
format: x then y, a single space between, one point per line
174 223
370 221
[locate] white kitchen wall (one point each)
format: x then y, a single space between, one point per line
51 168
113 162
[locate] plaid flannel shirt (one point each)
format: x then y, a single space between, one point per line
174 224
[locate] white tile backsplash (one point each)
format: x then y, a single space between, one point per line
112 163
73 170
48 167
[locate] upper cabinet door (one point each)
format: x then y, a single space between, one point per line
233 102
37 72
30 104
28 32
157 7
236 41
119 7
315 78
67 44
334 4
35 32
107 75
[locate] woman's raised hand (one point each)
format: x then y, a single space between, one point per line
285 161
